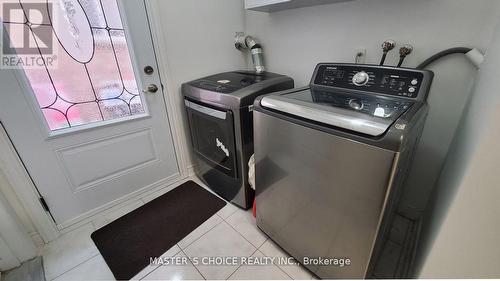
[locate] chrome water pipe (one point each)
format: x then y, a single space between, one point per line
246 42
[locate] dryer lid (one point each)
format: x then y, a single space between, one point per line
230 82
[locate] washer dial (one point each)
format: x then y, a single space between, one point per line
360 78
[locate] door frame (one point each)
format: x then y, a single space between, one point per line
26 191
173 99
24 188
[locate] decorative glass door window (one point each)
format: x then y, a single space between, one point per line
93 79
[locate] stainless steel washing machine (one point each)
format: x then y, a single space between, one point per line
220 123
331 159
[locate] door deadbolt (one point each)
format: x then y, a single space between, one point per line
148 70
152 88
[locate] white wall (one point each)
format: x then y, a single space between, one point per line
295 41
197 40
199 37
463 236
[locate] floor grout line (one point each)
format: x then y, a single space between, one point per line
278 265
194 265
257 247
158 266
91 224
240 265
74 267
223 220
275 265
144 277
234 212
200 235
263 243
291 278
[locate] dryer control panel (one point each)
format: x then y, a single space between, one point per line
401 82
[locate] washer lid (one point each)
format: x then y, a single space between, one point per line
368 115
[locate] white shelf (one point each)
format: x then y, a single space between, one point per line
270 6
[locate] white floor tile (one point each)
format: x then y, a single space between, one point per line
68 251
298 272
259 272
170 253
232 232
199 231
228 210
117 213
93 269
221 241
244 223
180 271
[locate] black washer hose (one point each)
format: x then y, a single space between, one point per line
382 60
401 60
458 50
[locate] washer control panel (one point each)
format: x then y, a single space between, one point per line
401 82
379 107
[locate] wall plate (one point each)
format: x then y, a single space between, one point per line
360 55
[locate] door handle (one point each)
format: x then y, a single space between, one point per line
152 88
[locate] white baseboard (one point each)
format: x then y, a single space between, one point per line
190 170
37 239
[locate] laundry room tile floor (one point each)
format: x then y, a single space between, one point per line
69 250
230 232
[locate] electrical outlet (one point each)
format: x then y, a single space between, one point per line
360 55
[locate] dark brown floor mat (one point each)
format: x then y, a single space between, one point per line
128 243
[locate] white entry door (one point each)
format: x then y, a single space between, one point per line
83 102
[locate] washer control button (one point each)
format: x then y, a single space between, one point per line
379 112
356 104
